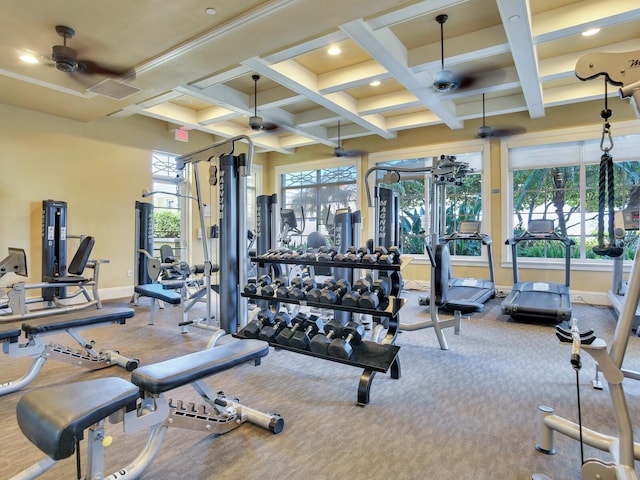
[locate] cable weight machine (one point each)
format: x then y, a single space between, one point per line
623 450
230 174
445 171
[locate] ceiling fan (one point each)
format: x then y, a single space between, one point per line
256 122
341 152
444 80
485 131
66 59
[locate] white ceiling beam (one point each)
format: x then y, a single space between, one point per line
413 120
352 76
516 20
573 19
387 102
416 10
302 81
386 49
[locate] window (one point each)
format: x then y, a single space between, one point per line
560 182
168 218
462 200
314 195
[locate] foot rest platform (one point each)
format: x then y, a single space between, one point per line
176 372
54 418
80 318
9 333
157 291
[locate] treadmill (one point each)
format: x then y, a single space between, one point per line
464 294
539 302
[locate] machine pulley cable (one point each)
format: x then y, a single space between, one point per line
606 186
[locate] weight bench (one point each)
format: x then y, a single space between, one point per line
34 346
55 424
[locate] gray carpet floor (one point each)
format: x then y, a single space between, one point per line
465 413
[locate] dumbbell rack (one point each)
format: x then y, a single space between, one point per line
372 356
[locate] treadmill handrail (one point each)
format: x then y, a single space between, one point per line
551 236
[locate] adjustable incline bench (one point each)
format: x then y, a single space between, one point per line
55 424
87 357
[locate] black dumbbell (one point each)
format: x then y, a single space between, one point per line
377 298
281 287
300 288
301 338
374 256
251 287
255 288
252 329
281 321
352 298
326 254
343 347
334 295
315 294
297 322
392 257
309 255
320 343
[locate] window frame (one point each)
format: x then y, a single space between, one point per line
319 164
181 184
433 150
541 139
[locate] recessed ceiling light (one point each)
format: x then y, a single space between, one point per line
375 83
334 50
210 11
28 58
591 31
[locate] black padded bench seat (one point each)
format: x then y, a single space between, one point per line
80 318
176 372
55 417
9 333
157 291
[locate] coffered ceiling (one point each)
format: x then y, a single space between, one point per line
174 62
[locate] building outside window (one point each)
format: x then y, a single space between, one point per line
168 213
315 195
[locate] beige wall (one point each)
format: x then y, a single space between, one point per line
100 169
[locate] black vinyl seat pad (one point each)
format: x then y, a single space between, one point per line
157 291
9 333
54 418
77 319
176 372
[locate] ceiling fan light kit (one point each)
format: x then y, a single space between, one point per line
444 81
65 58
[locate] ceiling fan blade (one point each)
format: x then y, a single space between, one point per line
499 132
93 68
507 131
341 152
